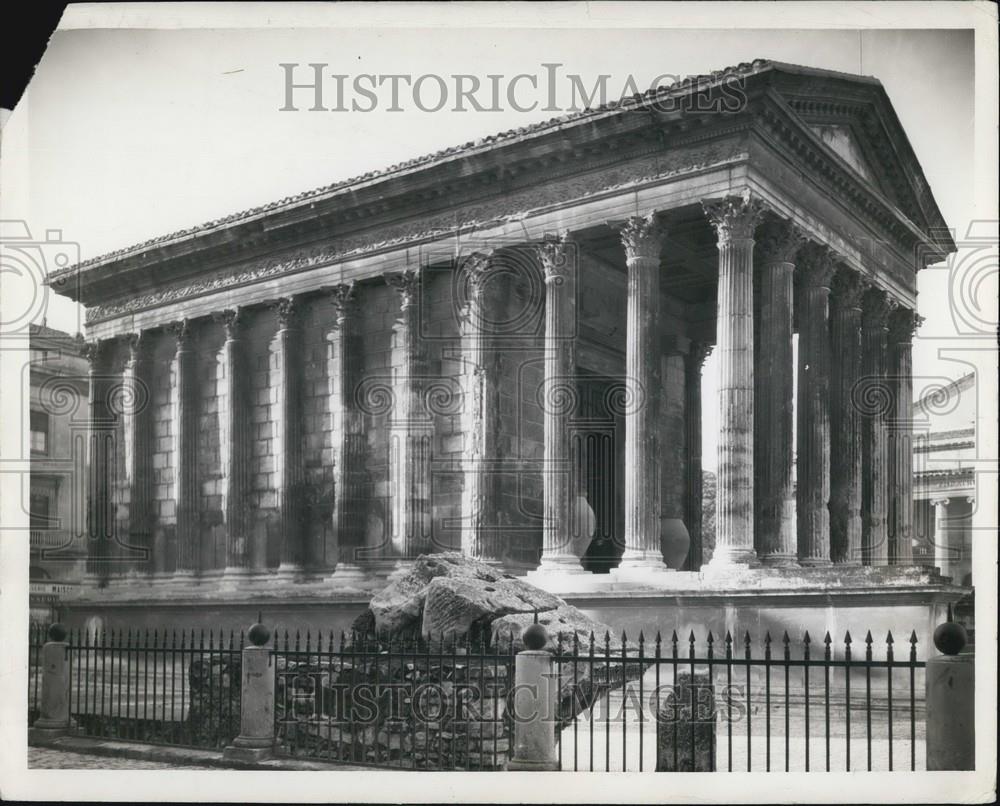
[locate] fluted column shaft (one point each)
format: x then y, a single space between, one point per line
873 399
480 496
845 421
902 324
348 438
236 444
100 521
642 238
558 259
693 483
942 544
774 394
291 470
735 219
139 454
813 432
188 532
411 429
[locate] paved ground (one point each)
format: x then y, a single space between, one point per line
51 759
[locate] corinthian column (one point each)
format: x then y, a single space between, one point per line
873 400
693 502
348 442
291 472
813 477
410 429
902 325
480 496
774 392
735 219
642 238
100 521
188 530
845 420
139 445
558 398
235 445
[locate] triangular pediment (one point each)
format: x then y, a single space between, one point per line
840 139
853 117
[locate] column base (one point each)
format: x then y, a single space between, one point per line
290 572
637 566
559 564
40 734
526 765
779 560
249 749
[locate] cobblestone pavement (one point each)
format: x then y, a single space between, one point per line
51 759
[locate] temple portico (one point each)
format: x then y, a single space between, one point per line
499 349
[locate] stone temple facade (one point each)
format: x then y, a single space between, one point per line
499 348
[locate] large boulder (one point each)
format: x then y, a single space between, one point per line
454 599
398 608
462 606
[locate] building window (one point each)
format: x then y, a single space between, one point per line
39 432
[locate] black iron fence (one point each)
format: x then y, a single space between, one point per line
414 704
176 688
733 705
666 704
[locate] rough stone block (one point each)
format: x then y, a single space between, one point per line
685 735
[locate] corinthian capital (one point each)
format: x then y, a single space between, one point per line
233 321
816 266
289 310
183 332
642 237
734 217
903 323
778 242
343 297
848 288
557 258
876 306
95 352
407 283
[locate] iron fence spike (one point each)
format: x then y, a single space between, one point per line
807 639
868 638
767 637
827 639
888 638
691 637
913 637
847 637
785 639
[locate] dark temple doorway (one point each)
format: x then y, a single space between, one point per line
598 430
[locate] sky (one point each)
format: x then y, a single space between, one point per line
136 133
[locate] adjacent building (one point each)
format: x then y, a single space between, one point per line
57 499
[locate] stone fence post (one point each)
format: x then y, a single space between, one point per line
256 739
534 705
951 710
54 719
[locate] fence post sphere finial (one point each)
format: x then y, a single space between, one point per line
57 632
535 637
950 638
258 634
